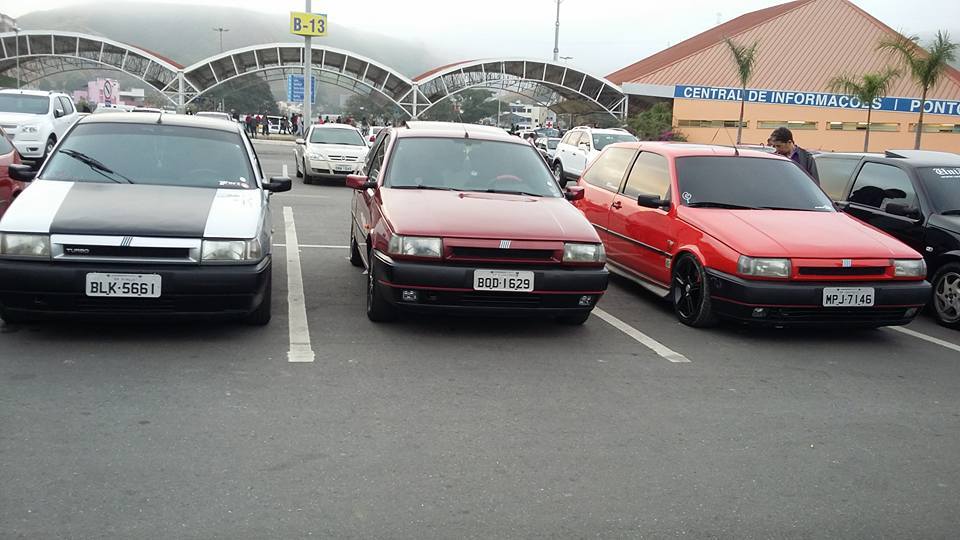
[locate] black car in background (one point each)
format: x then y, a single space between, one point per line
913 195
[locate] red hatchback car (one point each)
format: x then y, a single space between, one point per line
744 235
9 188
468 218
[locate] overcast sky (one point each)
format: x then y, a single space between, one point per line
600 35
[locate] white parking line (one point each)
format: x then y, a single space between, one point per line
316 246
644 339
300 348
931 339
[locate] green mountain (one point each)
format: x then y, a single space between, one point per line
184 33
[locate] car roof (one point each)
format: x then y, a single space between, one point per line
184 120
27 92
458 130
331 125
846 155
681 149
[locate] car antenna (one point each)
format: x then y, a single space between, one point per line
736 151
160 117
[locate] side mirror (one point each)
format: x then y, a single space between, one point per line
58 113
278 184
300 141
21 172
360 182
904 210
574 193
652 201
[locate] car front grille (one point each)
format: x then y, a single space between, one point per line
473 253
878 314
846 271
126 252
352 159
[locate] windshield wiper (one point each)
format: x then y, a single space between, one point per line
950 213
788 208
94 164
710 204
437 188
509 192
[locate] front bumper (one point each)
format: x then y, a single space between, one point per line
55 289
328 169
449 287
29 149
801 303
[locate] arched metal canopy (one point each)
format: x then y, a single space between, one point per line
45 53
559 87
336 66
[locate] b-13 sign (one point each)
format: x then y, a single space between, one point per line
308 24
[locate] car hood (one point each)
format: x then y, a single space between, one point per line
10 119
454 214
947 223
784 233
80 208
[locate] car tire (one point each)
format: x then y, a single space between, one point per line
261 315
51 142
558 172
307 179
690 292
574 320
378 309
946 296
355 258
299 171
9 318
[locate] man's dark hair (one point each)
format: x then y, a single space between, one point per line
781 134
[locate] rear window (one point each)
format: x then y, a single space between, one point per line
469 165
552 143
835 174
152 154
748 182
17 103
943 186
337 136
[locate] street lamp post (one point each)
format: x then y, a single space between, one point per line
221 30
307 75
556 35
16 30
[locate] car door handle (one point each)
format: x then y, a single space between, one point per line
616 205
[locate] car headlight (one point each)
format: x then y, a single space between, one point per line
316 156
415 246
25 245
909 268
30 131
584 253
231 251
773 268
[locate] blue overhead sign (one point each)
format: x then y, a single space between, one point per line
295 88
815 99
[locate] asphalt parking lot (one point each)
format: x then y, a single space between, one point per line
432 427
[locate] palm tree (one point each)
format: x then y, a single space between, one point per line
745 57
867 89
925 65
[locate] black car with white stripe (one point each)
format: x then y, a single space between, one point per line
137 215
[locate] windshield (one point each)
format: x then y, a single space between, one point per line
745 182
17 103
943 186
552 143
601 140
548 132
469 165
152 154
337 136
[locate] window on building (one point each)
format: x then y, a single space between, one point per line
710 123
937 128
862 126
792 125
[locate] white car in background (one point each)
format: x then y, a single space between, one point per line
35 120
215 114
580 146
330 151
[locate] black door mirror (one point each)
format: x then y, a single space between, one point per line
904 210
278 184
652 201
21 172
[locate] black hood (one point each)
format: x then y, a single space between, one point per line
134 210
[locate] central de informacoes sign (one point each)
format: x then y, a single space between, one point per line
815 99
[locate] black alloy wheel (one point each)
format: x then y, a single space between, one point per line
355 258
946 295
691 293
558 172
